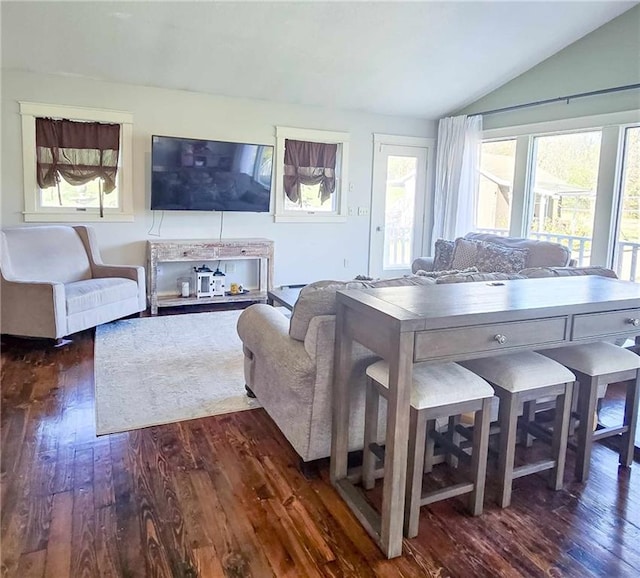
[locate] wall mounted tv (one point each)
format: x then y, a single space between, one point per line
207 175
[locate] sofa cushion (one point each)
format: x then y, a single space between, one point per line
474 277
443 255
92 293
541 253
319 298
537 272
493 258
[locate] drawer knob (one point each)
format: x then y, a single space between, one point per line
634 322
501 339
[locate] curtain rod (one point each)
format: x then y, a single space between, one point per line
558 99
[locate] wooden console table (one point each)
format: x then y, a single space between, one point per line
180 250
405 325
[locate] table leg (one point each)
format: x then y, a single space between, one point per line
340 421
395 462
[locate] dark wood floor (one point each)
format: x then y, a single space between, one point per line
222 496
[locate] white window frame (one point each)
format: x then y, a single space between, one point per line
33 210
612 126
282 215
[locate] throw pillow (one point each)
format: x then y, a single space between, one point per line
537 272
465 252
443 255
436 274
493 258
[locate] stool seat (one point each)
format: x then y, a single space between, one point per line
595 358
519 372
437 385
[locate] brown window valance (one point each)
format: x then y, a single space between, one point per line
78 152
309 163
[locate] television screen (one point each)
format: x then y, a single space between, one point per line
206 175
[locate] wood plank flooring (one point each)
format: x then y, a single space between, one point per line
223 496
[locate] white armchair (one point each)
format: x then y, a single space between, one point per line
54 283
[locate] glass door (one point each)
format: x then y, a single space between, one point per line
397 214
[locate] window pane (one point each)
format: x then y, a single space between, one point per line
78 196
310 200
563 196
497 164
628 248
400 200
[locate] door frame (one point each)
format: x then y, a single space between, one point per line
423 222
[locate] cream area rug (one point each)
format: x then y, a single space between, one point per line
157 370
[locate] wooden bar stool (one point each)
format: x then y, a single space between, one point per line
517 379
595 365
439 391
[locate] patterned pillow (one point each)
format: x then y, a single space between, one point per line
436 274
465 252
493 258
537 272
443 255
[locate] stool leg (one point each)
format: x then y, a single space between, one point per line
508 431
415 465
429 447
560 437
586 408
627 443
480 448
528 415
370 435
454 437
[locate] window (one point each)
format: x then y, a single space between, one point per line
562 198
627 254
576 182
99 199
495 186
311 175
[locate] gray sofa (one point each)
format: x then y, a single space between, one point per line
289 365
540 253
54 283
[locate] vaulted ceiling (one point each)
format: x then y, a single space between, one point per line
420 59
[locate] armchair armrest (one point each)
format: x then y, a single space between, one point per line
422 264
33 308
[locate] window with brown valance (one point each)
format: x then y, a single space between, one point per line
309 163
77 152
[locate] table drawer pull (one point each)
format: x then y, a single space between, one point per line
634 322
501 339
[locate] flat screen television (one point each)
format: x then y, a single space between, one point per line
205 175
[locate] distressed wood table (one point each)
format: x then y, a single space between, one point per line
453 322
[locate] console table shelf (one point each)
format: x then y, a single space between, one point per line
186 250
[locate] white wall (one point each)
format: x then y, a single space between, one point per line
304 252
608 57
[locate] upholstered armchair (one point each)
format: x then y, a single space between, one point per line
54 283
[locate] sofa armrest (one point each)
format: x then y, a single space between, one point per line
264 331
422 264
33 308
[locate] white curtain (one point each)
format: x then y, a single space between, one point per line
457 164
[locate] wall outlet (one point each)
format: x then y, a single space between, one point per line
363 211
351 211
230 268
346 263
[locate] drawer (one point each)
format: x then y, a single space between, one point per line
607 323
488 338
241 251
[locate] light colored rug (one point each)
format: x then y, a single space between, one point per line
156 370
